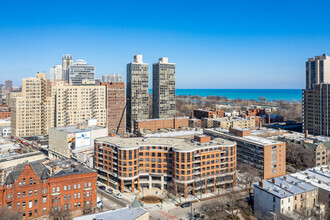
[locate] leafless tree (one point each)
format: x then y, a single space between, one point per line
9 214
249 175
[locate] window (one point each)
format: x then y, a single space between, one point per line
74 186
23 204
69 187
44 199
35 192
35 202
58 189
30 204
64 188
18 195
44 209
30 193
78 195
79 186
18 205
53 190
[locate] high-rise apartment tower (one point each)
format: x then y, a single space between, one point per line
316 96
66 62
163 89
80 73
137 91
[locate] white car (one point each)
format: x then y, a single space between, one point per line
119 195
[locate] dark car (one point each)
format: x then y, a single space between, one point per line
110 191
102 187
186 204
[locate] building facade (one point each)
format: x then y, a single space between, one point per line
76 104
30 112
163 89
137 91
112 78
116 102
79 72
315 109
43 189
208 113
317 70
162 123
187 166
284 195
315 96
266 155
8 85
67 61
56 73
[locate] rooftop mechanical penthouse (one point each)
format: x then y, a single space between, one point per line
189 165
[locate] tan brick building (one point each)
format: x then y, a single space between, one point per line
162 123
266 155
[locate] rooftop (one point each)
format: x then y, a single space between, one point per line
254 139
159 119
317 176
118 214
177 143
74 129
286 186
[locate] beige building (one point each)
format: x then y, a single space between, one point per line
42 105
227 122
31 110
75 104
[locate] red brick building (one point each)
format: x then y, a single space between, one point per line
4 111
116 101
43 189
161 123
208 113
255 112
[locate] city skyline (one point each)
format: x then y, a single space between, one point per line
225 42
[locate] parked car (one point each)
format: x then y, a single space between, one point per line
119 195
110 191
186 204
102 187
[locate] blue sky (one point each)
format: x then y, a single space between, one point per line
215 44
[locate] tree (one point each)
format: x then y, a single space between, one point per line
249 176
9 214
262 99
60 213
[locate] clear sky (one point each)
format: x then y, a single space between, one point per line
215 44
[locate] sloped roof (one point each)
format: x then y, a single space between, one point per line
40 170
136 203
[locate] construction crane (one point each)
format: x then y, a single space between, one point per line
121 118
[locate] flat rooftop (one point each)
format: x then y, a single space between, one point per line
177 143
160 119
286 186
252 139
317 176
74 129
127 213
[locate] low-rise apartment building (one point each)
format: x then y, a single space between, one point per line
266 155
208 113
284 195
319 177
140 126
43 189
190 165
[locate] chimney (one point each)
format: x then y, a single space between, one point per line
260 124
273 181
261 183
306 133
268 118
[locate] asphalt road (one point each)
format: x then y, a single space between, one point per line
112 198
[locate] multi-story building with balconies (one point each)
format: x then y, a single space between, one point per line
189 165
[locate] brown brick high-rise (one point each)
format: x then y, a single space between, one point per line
116 100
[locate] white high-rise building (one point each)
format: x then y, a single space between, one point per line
79 72
112 78
66 62
317 70
56 73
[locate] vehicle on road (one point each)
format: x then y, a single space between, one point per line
102 187
110 191
99 203
119 195
186 204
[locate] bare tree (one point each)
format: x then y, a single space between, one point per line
9 214
249 175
